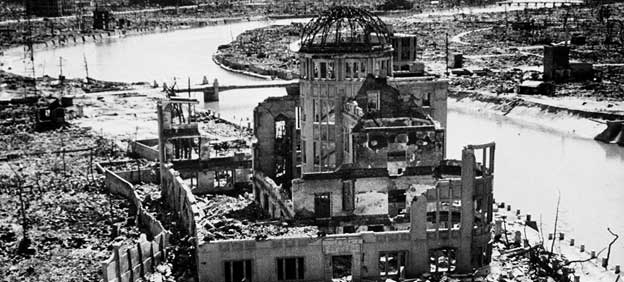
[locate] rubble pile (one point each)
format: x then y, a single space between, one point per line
228 217
70 221
150 197
219 129
512 262
129 165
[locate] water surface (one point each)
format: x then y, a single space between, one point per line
533 164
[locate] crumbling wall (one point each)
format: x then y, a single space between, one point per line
180 198
425 92
316 253
146 149
267 154
271 197
132 262
377 194
398 150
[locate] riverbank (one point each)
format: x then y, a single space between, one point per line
164 25
265 52
491 73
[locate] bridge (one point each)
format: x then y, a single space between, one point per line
211 93
544 3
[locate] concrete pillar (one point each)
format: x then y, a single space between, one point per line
215 85
418 212
161 149
464 254
212 95
498 227
418 255
517 237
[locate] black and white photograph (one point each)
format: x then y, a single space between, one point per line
311 140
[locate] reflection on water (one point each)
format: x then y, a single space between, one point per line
533 164
237 105
160 56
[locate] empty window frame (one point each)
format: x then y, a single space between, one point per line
331 74
363 69
290 269
322 205
442 260
348 196
341 267
280 129
373 100
392 264
223 178
346 139
317 70
348 70
303 68
237 270
427 100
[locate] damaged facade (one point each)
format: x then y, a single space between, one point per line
359 151
350 179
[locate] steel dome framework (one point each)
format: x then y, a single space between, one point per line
345 29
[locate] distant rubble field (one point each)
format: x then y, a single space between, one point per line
71 221
265 51
497 62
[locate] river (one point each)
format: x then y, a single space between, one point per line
533 164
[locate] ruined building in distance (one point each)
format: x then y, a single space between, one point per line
358 151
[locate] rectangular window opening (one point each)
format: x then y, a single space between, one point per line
237 270
392 264
341 267
290 269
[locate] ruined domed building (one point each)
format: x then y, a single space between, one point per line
358 150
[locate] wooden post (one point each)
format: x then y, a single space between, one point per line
117 261
140 252
130 267
153 264
163 247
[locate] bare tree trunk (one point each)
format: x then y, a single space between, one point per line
611 244
552 246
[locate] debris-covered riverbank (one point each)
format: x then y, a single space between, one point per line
491 74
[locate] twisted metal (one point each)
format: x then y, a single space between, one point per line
344 28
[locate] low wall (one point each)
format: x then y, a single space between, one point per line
143 175
131 262
143 148
181 199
